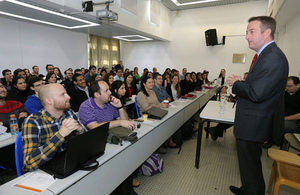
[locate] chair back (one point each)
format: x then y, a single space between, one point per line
137 108
19 154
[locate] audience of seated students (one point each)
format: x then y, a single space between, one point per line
87 76
158 89
7 79
182 75
146 98
59 76
50 78
35 71
79 92
44 132
174 88
119 75
19 90
186 85
67 82
118 90
8 107
33 103
109 79
130 85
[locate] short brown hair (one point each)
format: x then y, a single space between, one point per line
266 22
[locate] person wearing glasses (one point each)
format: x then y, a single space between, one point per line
33 103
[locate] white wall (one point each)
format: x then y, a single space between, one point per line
129 20
188 47
288 41
25 44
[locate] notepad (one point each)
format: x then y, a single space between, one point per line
35 182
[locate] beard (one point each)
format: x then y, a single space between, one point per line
64 106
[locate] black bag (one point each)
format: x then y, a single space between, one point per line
116 135
187 130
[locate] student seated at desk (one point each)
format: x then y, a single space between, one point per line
101 108
33 103
44 132
8 107
146 98
118 90
186 85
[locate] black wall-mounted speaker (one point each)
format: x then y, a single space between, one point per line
211 37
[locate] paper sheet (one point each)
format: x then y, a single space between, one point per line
35 182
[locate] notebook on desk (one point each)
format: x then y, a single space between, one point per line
81 151
156 113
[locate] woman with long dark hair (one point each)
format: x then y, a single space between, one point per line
118 90
146 98
130 85
50 78
174 88
109 79
186 85
19 91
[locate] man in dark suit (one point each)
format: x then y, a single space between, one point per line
79 92
260 106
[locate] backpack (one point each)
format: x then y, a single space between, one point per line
152 166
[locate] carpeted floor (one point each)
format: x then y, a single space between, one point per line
218 169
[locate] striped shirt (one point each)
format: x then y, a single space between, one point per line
89 112
41 139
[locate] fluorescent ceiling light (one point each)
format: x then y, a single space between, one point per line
132 38
191 3
80 22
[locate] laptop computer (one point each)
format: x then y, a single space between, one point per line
156 113
81 151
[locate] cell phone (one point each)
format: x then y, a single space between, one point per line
138 120
132 134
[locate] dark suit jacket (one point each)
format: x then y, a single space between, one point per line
77 97
260 108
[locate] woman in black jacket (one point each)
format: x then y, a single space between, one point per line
186 85
19 91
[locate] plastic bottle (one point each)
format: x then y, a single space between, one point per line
13 124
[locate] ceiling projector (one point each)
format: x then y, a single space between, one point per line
107 15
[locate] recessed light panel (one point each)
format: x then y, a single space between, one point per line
33 13
132 38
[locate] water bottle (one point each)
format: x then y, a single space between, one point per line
13 124
203 88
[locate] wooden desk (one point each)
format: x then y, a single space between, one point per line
211 113
120 161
